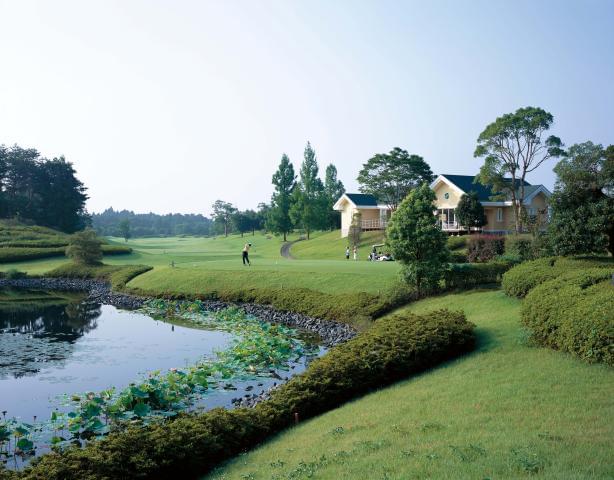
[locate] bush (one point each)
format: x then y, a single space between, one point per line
19 254
484 248
394 348
519 246
522 278
116 250
116 275
14 274
85 248
470 275
574 313
458 257
457 243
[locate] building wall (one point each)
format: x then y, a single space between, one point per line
453 196
346 218
492 224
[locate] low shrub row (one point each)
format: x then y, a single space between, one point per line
116 275
20 254
522 278
574 313
470 275
394 348
457 243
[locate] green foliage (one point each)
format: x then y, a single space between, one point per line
391 176
46 192
583 202
116 275
415 240
511 147
574 313
284 180
85 248
457 243
470 275
222 215
522 278
520 247
333 189
189 445
470 212
124 229
14 274
309 208
18 254
484 248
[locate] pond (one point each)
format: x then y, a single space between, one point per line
64 359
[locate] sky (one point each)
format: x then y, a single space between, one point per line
167 106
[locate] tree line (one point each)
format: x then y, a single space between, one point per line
126 224
303 201
42 191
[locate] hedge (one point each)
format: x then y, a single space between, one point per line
394 348
470 275
484 248
574 313
522 278
457 243
116 275
18 254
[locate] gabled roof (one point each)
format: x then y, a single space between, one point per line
485 194
362 199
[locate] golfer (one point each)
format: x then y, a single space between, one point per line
246 254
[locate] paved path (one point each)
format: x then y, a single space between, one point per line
285 249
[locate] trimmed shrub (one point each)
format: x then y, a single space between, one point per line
457 243
574 313
470 275
519 246
522 278
115 250
484 248
458 257
18 254
116 275
394 348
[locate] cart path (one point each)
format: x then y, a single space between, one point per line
285 249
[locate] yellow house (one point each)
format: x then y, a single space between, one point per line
449 189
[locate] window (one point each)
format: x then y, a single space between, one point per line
531 211
446 195
499 214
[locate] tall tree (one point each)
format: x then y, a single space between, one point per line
416 240
583 201
391 176
308 209
470 212
512 146
241 222
124 229
222 214
333 189
284 181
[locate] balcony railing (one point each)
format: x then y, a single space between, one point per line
375 224
447 226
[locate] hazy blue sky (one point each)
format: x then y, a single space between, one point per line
169 105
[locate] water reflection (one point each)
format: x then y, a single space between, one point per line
37 330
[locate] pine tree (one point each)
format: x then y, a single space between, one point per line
333 189
281 203
308 210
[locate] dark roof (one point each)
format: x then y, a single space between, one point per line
467 184
362 199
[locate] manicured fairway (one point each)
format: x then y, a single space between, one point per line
203 265
506 411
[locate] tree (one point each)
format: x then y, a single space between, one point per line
308 209
416 240
470 212
583 201
355 230
241 222
85 248
222 214
333 189
124 229
264 216
284 180
512 147
391 176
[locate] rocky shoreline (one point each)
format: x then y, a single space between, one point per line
331 333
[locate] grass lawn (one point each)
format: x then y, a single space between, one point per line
330 246
209 264
506 411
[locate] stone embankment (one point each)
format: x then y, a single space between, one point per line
331 333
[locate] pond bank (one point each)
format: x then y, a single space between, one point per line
331 333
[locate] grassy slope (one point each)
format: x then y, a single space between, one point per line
206 264
330 246
503 412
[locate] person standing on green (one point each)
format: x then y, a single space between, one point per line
246 254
